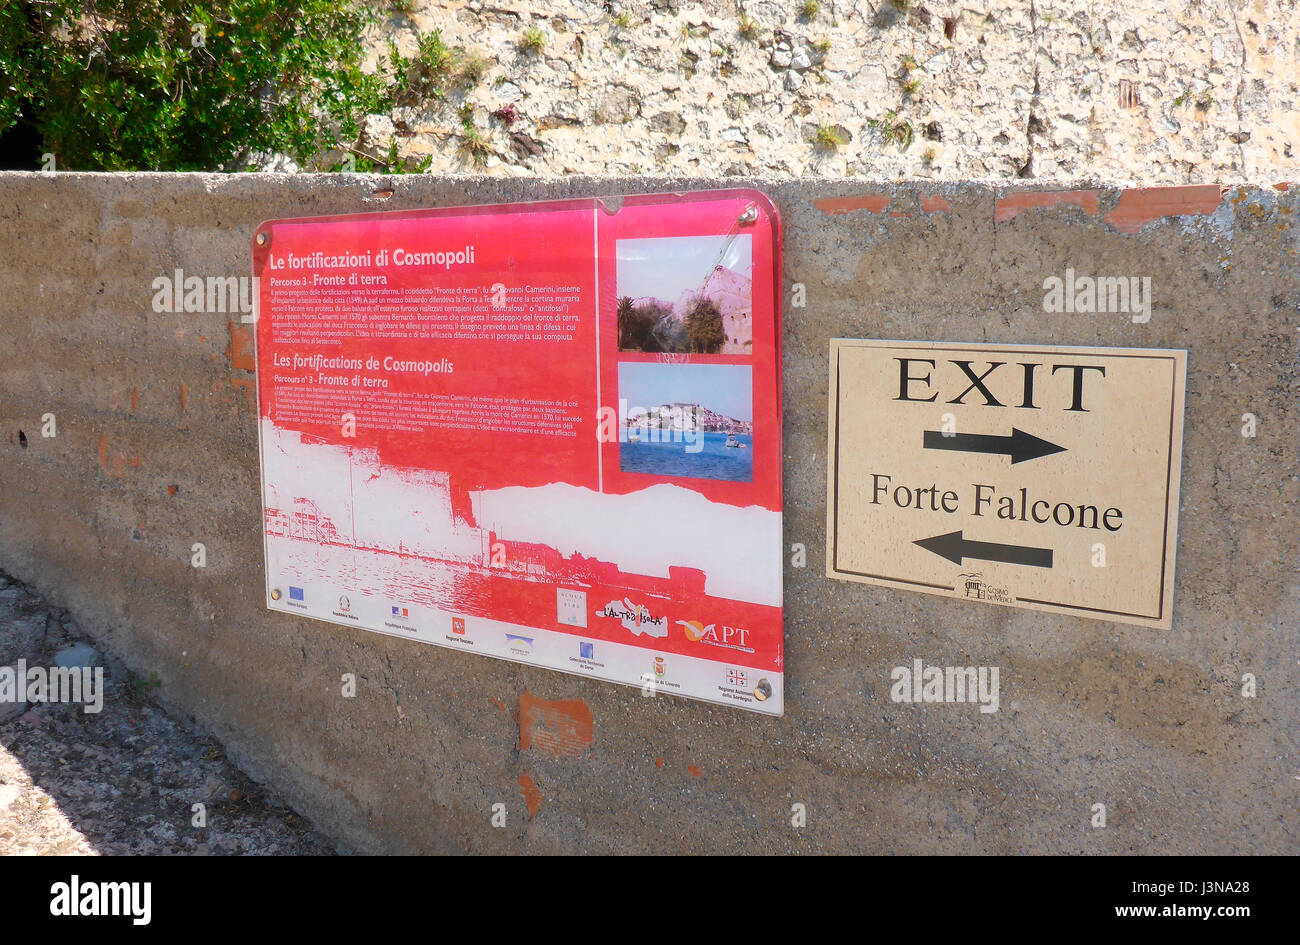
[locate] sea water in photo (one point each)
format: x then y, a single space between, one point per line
716 460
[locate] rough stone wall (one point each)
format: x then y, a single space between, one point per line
1146 91
156 449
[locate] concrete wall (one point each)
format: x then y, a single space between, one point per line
156 449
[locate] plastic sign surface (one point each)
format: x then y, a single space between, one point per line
1033 476
549 433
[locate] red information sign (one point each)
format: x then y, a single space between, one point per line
545 432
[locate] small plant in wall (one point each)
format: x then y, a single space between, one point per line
908 78
472 143
475 147
533 40
829 138
433 55
894 130
809 9
473 68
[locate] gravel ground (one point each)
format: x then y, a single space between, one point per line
124 780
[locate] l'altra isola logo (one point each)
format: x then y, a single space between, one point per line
636 618
77 898
212 294
1127 294
921 683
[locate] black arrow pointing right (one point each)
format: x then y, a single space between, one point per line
1020 445
954 547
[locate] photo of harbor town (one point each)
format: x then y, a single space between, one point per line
700 425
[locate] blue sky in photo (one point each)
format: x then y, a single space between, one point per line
666 266
723 388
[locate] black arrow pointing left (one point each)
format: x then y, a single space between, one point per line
954 547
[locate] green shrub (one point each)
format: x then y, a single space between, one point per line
127 84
